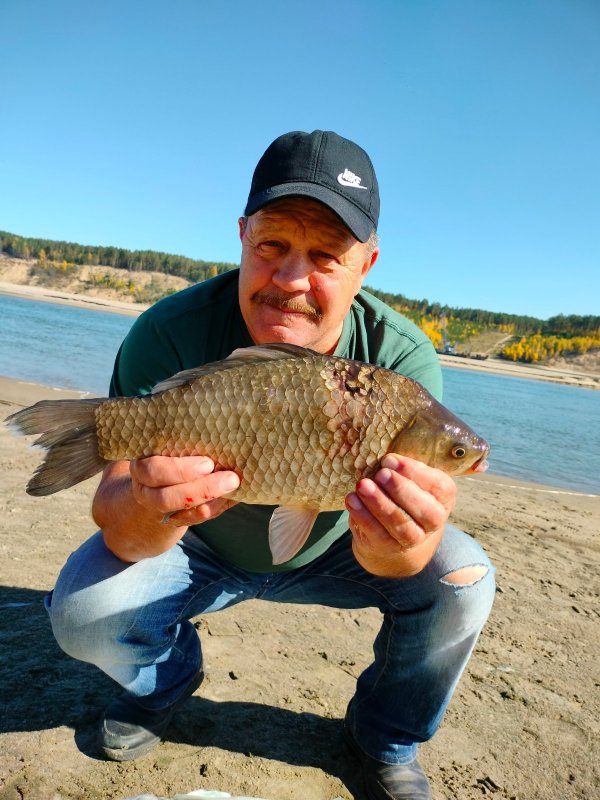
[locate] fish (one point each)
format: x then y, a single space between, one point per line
299 428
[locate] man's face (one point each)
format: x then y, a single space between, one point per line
300 269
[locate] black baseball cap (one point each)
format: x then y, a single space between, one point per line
325 167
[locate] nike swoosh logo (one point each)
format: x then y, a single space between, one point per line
345 182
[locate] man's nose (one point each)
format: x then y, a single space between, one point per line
293 273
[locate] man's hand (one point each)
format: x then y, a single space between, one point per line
186 485
398 518
134 497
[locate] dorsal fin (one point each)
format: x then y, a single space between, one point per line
271 352
240 357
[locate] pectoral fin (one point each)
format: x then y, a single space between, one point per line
289 529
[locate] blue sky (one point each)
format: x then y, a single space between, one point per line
138 124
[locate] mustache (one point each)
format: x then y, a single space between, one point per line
287 304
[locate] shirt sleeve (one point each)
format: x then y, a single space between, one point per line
146 356
386 337
423 365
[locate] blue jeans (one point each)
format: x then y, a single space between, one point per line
133 622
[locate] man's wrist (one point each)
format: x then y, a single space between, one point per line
401 563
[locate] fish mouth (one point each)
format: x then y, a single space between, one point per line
481 465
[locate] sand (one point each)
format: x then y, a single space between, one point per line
48 295
523 723
569 373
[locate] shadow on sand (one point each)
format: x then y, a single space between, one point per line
42 688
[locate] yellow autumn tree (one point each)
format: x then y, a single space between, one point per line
431 327
532 349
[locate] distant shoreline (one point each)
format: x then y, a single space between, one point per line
512 369
47 295
493 366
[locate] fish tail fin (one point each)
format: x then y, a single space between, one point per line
68 432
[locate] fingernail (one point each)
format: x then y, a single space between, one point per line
391 462
383 476
354 503
230 482
366 487
204 467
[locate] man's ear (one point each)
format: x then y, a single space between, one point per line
366 267
242 226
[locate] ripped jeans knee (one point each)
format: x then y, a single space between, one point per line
466 580
466 576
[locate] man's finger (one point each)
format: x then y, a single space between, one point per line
428 478
386 513
200 514
167 499
170 470
420 505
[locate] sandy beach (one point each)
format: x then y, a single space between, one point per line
267 721
568 375
48 295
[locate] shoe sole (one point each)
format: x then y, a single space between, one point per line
130 755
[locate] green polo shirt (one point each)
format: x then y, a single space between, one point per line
204 323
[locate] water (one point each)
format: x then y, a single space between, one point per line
541 432
59 345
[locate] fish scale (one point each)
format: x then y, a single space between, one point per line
299 428
284 425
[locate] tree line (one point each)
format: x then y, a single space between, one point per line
493 319
195 270
192 269
562 325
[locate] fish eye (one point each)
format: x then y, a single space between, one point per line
459 451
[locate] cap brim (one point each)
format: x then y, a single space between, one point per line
353 218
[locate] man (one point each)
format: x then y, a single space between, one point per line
125 598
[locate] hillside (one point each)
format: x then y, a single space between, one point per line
111 283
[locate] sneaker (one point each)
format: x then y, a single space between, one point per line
389 781
128 730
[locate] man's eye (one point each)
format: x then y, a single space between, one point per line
323 257
269 246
